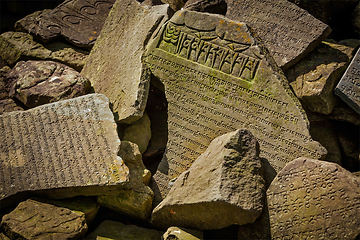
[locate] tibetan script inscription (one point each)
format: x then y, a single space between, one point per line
62 145
288 31
219 78
348 88
312 199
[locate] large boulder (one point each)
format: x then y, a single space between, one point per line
224 186
36 220
314 199
39 82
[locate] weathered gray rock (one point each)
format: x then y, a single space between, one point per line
324 133
3 88
176 233
139 132
218 77
39 82
348 88
36 220
9 105
288 31
314 199
78 21
114 65
15 46
315 77
117 231
135 202
66 149
29 21
223 187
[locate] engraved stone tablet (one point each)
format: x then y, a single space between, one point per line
68 147
348 88
312 199
219 78
114 65
78 21
288 31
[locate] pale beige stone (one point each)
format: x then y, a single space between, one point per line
139 132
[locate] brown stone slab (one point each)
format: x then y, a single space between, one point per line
114 65
68 148
78 21
209 96
288 31
348 88
312 199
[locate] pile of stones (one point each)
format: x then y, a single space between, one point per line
199 119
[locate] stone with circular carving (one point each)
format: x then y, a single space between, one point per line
312 199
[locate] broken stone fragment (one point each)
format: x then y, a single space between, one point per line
9 105
139 132
223 187
61 150
3 89
114 65
176 233
313 198
36 220
315 77
35 83
135 202
112 230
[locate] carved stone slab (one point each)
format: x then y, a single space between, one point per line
219 78
288 31
311 199
114 65
348 88
78 21
69 147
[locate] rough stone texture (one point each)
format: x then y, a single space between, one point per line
342 112
314 78
81 205
78 21
29 21
3 91
288 31
176 233
210 6
209 96
356 18
36 220
15 46
110 230
139 132
9 105
324 133
316 199
3 237
35 83
223 187
137 201
68 148
114 65
348 88
175 5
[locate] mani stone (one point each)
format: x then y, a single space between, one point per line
314 78
218 78
223 187
312 199
176 233
78 21
114 65
36 220
348 88
288 31
135 202
68 148
15 46
35 83
111 230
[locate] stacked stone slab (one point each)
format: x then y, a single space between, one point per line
288 31
218 78
114 65
65 149
314 199
78 21
348 88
